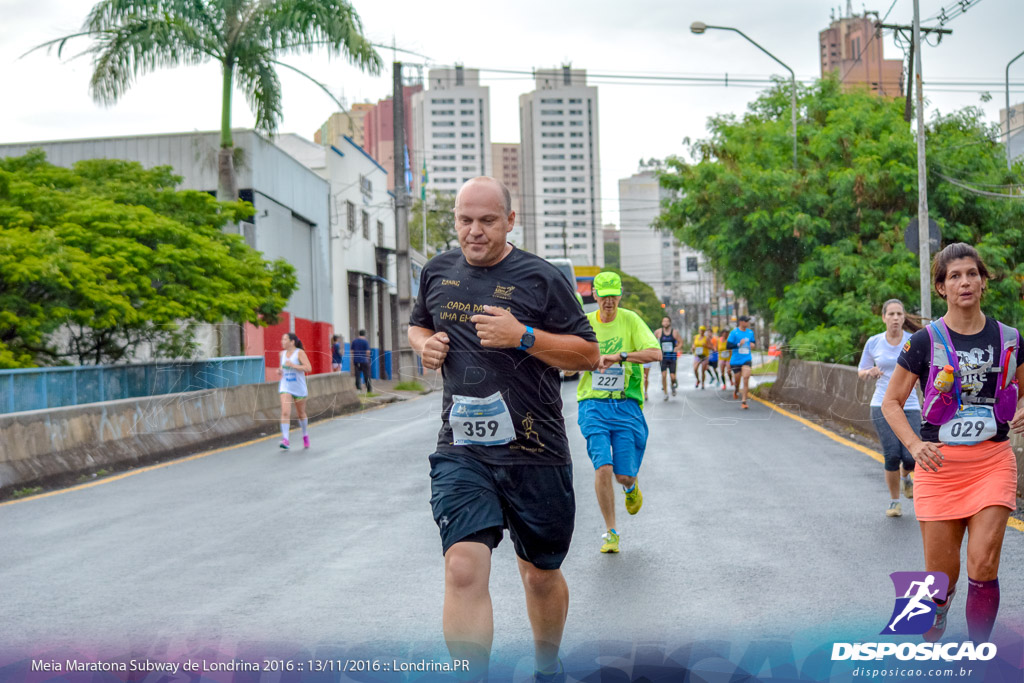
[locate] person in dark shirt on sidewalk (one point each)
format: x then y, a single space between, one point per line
361 360
337 353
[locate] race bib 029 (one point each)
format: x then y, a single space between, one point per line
970 425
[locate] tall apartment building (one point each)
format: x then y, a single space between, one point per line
677 273
1016 129
560 176
379 130
847 46
505 159
344 124
451 128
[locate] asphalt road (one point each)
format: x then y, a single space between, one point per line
754 526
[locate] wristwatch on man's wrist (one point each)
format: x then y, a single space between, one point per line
623 356
526 341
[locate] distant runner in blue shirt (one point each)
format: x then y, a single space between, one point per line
741 341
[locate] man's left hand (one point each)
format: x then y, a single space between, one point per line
498 328
608 360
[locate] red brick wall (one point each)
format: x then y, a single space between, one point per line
272 344
322 334
316 342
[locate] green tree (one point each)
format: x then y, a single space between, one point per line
134 37
441 235
101 258
640 298
820 249
612 255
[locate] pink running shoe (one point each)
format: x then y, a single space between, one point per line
284 444
305 442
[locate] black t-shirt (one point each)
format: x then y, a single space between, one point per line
976 352
451 292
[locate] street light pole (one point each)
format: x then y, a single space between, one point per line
1009 162
699 27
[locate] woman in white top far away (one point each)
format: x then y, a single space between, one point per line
878 362
294 366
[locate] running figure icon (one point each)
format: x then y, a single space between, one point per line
916 606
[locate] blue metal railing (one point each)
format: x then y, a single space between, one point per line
40 388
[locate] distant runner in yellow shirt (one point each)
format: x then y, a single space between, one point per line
700 357
724 354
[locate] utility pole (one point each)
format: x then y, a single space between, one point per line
923 250
915 47
908 109
406 357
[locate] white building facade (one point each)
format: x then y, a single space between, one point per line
362 242
678 273
451 129
560 168
1011 124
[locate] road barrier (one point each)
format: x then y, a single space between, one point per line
41 388
836 393
58 444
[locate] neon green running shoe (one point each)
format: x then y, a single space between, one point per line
611 542
634 499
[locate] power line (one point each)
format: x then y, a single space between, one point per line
948 14
983 193
994 139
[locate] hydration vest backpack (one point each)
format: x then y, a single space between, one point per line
940 407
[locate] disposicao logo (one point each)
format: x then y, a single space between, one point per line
914 614
916 592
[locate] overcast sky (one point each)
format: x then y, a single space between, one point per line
46 98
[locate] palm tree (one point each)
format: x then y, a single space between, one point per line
135 37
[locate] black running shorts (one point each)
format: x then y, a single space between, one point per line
669 364
535 503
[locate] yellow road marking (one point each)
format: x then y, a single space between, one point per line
874 455
1013 522
132 473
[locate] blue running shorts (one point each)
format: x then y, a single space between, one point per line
616 433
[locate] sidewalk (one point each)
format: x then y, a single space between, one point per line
384 390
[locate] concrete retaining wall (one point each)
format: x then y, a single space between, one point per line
835 392
45 445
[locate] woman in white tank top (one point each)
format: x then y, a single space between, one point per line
292 387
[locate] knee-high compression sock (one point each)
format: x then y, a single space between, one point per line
305 426
284 430
982 606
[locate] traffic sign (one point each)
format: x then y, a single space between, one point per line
912 239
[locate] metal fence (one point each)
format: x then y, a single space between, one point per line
40 388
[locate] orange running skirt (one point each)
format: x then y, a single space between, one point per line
971 478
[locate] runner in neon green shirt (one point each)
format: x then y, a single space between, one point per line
610 401
627 332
